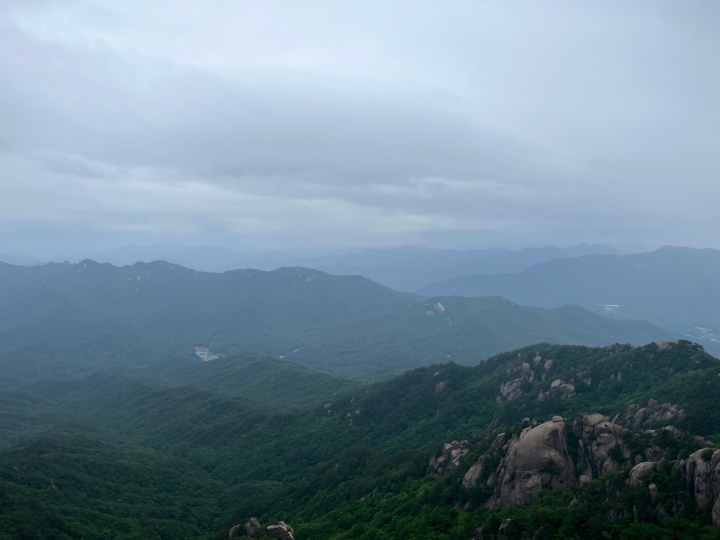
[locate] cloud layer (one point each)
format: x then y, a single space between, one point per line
283 124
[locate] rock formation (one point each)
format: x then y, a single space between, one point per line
653 412
558 454
638 473
702 476
536 459
559 388
282 531
253 529
600 440
449 459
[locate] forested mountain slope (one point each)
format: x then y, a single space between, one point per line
65 319
376 461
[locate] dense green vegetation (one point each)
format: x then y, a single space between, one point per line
115 455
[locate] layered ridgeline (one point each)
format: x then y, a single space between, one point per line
76 318
672 287
405 268
544 442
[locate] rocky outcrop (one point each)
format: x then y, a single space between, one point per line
653 412
638 473
253 529
474 473
559 388
702 476
536 459
556 454
602 443
282 531
449 458
529 375
539 458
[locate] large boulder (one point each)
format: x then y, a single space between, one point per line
639 471
449 458
282 531
252 527
702 476
536 459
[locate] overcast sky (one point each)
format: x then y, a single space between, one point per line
289 124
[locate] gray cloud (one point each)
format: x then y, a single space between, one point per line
460 124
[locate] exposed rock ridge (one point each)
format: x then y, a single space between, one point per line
449 459
558 454
653 412
538 458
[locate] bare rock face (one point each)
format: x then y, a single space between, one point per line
702 476
639 471
558 388
474 473
527 375
653 412
536 459
252 527
599 439
449 459
282 531
653 489
513 388
716 514
472 476
510 390
539 458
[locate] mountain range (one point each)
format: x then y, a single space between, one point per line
157 401
673 287
405 268
89 314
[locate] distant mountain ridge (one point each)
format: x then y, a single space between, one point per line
405 268
89 314
673 287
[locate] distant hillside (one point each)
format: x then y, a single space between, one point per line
75 318
464 330
409 268
672 287
404 268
